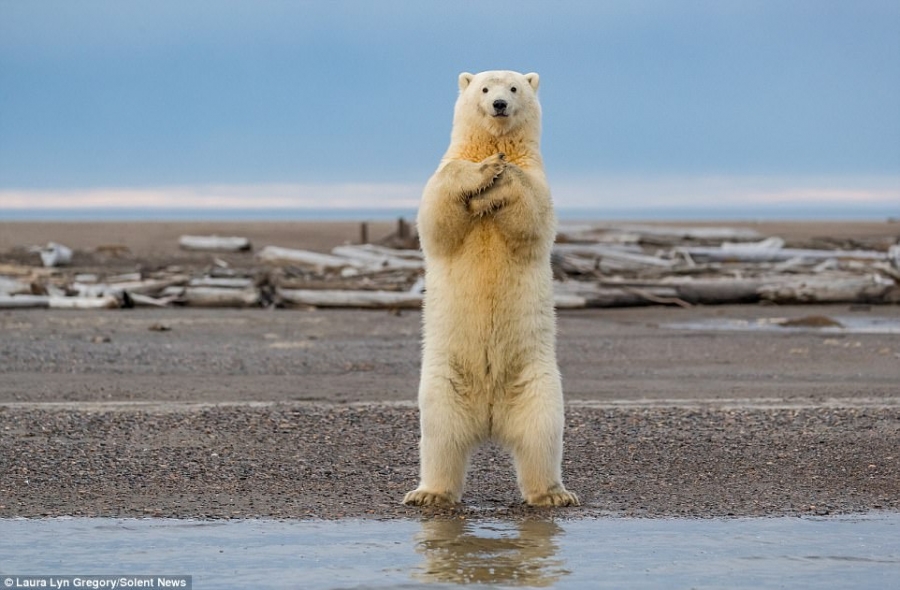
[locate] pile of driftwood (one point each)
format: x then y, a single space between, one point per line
634 265
594 266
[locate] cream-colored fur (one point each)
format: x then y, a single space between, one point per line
489 367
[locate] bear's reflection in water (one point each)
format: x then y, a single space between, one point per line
515 554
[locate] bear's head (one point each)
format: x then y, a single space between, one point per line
500 102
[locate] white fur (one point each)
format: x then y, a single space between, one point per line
489 357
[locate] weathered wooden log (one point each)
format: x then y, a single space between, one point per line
777 288
569 264
387 299
213 296
103 302
214 243
632 297
406 253
595 250
712 291
350 284
569 301
871 289
595 295
341 298
11 286
579 233
708 291
654 234
128 277
92 289
146 301
620 255
152 286
893 255
373 257
320 262
140 287
54 254
753 254
23 301
770 243
26 272
222 282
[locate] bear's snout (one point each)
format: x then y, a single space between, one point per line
500 107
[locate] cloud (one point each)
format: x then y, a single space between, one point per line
664 197
721 192
245 196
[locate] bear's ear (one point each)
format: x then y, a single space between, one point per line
534 80
464 80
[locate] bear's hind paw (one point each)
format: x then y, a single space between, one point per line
426 498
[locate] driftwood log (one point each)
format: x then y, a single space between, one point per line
819 289
214 243
340 298
757 253
652 234
54 254
102 302
213 296
315 260
593 294
12 286
23 301
367 256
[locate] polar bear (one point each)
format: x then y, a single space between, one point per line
489 368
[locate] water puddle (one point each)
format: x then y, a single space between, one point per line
824 324
833 552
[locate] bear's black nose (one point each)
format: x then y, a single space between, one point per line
499 105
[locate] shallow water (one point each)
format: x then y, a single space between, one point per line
848 325
833 552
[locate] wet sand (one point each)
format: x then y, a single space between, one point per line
311 414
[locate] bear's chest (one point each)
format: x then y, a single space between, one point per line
515 152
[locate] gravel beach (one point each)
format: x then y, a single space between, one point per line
311 414
321 461
707 411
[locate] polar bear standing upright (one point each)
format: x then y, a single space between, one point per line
489 367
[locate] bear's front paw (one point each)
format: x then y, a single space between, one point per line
426 498
555 496
493 166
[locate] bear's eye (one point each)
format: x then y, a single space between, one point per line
484 89
513 89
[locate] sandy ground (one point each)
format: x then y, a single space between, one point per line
301 414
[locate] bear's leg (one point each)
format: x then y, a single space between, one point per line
532 430
450 433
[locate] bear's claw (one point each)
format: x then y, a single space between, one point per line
492 167
425 498
554 497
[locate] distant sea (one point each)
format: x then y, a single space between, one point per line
843 212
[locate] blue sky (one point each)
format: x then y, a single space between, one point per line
349 103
